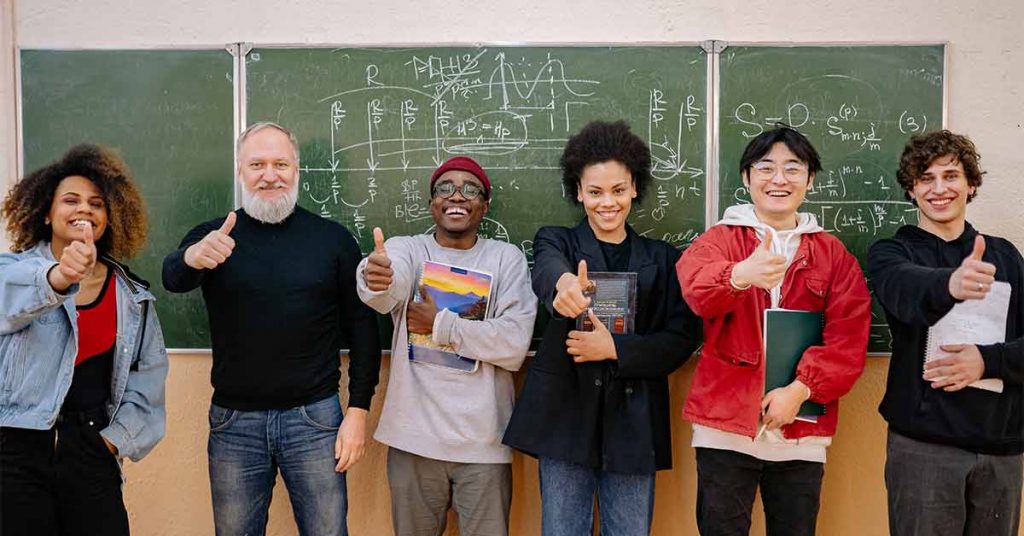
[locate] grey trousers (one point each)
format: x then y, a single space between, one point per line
423 489
940 490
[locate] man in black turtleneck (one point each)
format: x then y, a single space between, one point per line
953 461
279 287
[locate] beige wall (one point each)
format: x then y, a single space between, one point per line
168 493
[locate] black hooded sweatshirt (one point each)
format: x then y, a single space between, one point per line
910 277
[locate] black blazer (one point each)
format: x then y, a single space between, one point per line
610 415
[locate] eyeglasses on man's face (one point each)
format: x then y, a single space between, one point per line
446 189
768 170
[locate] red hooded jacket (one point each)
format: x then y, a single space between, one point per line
729 382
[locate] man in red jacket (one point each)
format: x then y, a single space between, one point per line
768 255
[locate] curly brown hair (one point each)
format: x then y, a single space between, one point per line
923 149
28 202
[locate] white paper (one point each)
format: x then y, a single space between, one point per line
972 322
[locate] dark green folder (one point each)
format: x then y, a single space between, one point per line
787 334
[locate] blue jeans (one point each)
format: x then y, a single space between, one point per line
246 449
625 502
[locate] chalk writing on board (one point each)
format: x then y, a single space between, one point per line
380 139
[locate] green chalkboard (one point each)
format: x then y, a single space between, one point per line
374 123
169 113
858 106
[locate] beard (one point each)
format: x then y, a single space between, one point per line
270 211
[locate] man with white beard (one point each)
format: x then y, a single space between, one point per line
279 287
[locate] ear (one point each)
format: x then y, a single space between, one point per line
633 182
810 180
745 178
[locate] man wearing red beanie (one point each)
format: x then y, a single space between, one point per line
450 389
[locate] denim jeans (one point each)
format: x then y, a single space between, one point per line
940 490
625 502
727 482
246 450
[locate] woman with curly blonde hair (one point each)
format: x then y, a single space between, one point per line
82 357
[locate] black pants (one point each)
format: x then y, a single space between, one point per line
60 482
727 482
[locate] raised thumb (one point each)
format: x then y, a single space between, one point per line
229 223
378 241
979 248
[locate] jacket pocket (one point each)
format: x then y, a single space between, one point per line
53 316
739 358
817 291
11 362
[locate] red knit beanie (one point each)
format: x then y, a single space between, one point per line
463 163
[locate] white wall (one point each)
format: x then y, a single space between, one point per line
985 72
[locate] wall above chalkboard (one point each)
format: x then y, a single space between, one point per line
374 122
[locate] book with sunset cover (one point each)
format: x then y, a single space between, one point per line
462 290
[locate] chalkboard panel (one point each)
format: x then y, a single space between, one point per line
374 123
858 106
169 113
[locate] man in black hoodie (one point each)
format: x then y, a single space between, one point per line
954 452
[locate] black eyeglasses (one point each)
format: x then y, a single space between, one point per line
447 189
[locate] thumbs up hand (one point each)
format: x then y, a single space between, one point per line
214 248
762 269
570 300
77 261
973 279
377 274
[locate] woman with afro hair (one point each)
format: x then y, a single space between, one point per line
594 407
82 357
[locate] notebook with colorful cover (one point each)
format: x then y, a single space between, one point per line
462 290
787 334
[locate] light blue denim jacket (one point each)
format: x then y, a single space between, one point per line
39 342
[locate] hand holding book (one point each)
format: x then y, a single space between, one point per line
420 314
963 367
594 345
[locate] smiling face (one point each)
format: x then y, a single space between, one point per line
941 195
778 183
457 217
607 191
76 203
269 173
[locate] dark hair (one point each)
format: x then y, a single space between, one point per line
28 203
922 150
796 142
601 141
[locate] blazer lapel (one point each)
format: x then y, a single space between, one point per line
589 249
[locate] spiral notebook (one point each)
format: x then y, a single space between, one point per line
972 322
464 291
